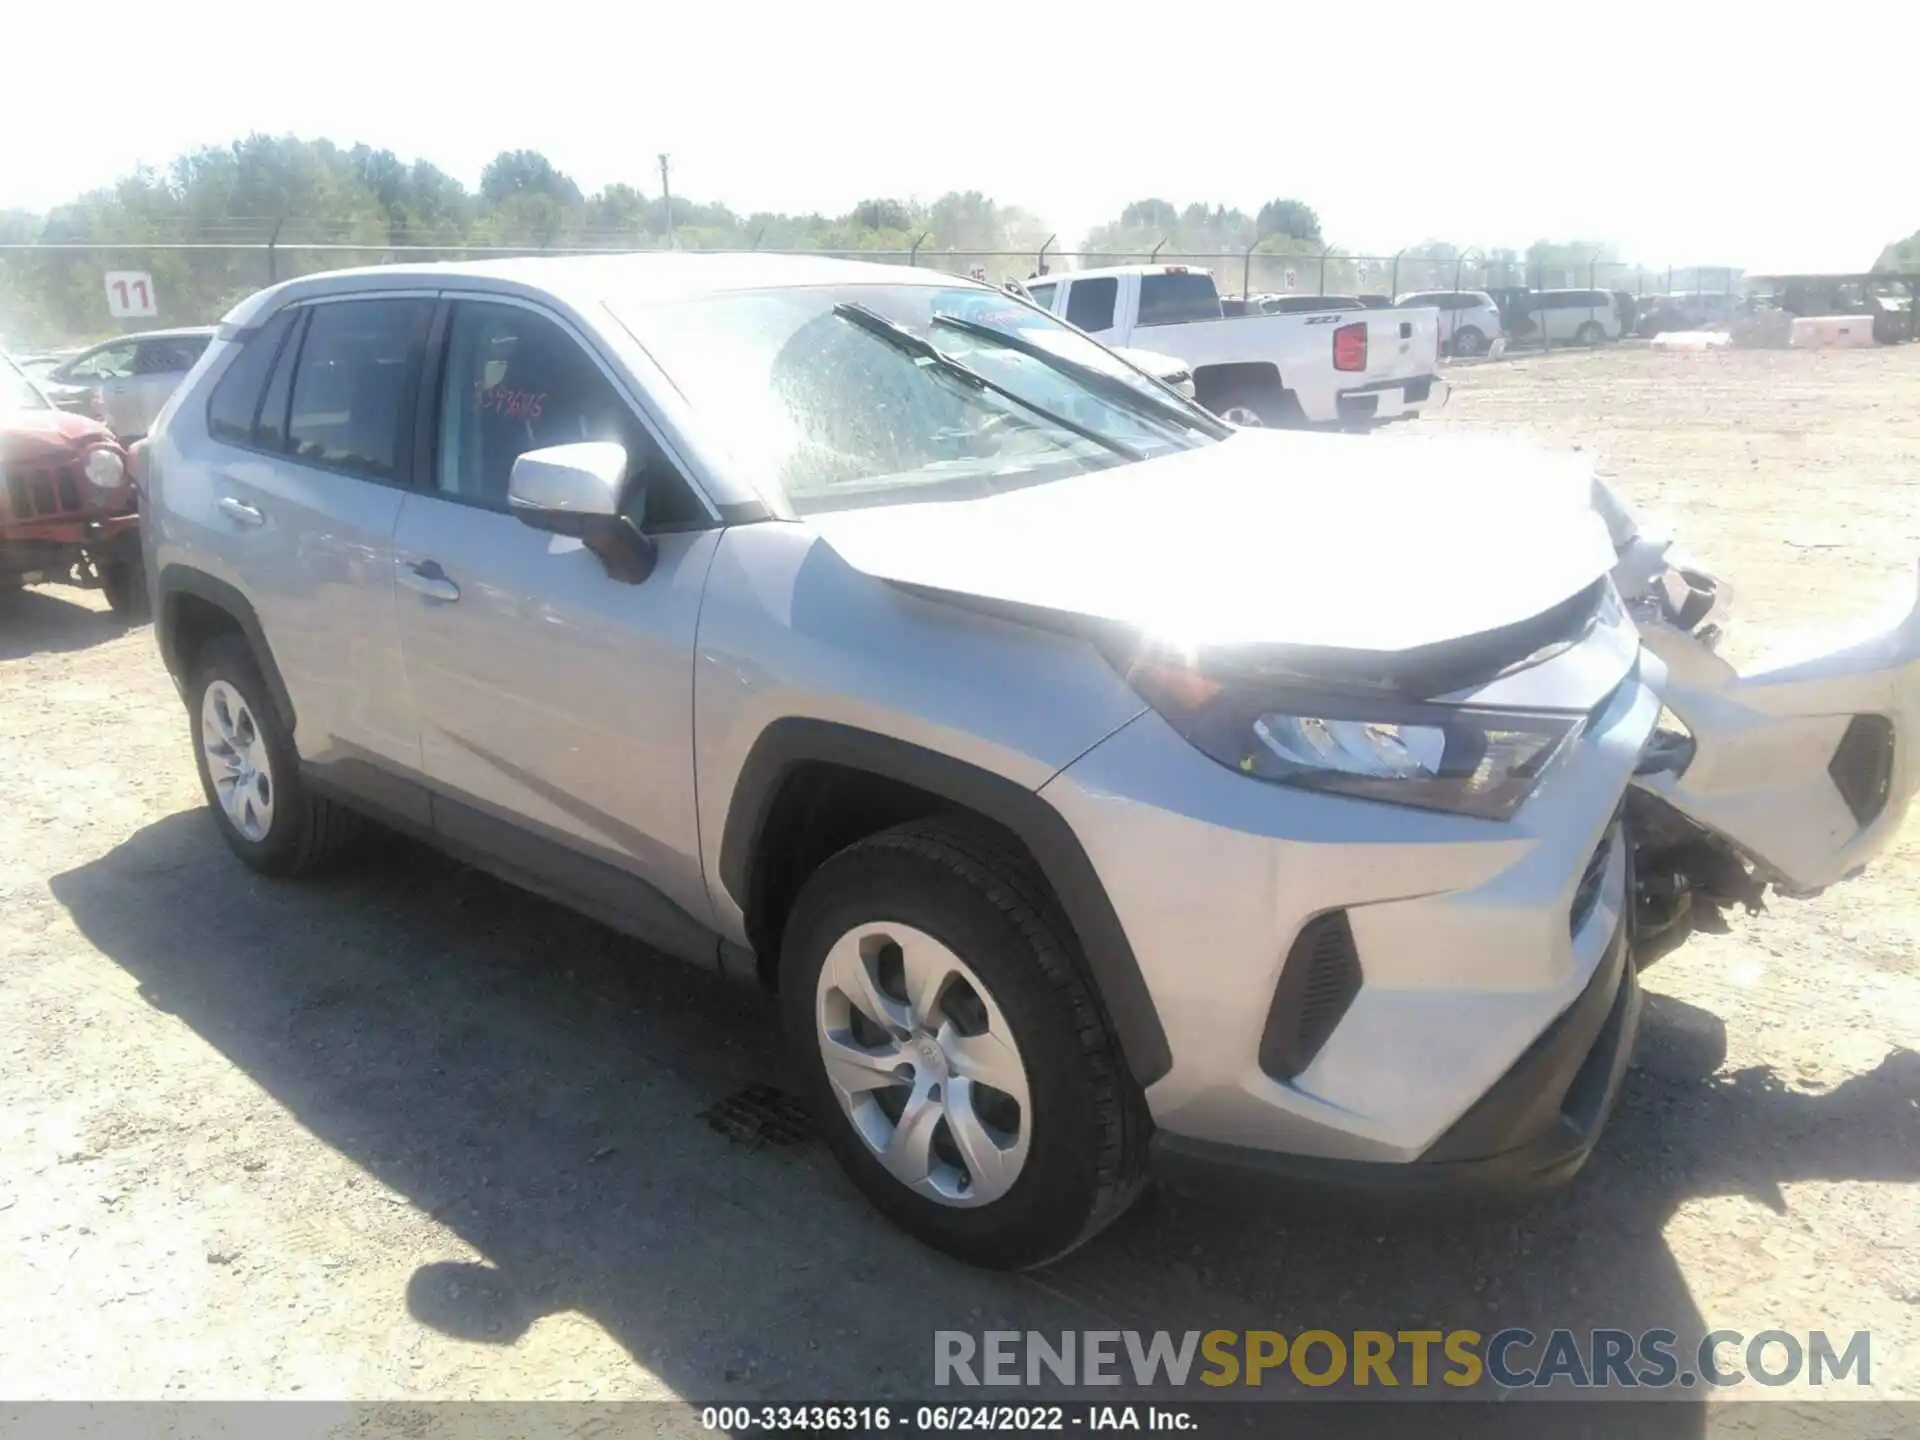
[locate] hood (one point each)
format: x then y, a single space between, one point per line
35 434
1370 543
1152 362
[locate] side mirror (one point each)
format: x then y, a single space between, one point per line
575 490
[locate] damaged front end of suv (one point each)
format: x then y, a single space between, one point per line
1791 777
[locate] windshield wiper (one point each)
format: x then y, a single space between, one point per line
921 348
1188 418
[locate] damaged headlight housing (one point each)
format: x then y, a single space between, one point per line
1483 763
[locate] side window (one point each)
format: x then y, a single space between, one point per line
1090 303
113 363
354 384
171 356
235 404
1042 295
515 381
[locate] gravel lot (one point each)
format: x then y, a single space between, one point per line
407 1132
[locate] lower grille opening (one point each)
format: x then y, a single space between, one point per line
1862 766
1317 985
1587 893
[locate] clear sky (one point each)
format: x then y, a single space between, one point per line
1681 132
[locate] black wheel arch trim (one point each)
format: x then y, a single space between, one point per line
1115 971
178 580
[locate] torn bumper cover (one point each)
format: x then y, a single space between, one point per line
1807 766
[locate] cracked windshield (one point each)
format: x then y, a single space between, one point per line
865 395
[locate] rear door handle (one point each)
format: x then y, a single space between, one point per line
241 511
430 580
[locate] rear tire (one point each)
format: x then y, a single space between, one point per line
250 771
1250 404
1069 1160
1468 342
1591 333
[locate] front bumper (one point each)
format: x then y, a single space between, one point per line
1533 1130
1491 985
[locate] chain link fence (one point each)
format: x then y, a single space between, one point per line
68 294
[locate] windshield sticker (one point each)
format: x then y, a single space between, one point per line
514 404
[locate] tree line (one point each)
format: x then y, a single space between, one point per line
310 199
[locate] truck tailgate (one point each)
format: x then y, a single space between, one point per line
1401 345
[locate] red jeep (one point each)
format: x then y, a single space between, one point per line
68 512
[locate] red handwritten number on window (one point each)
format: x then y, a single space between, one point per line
139 288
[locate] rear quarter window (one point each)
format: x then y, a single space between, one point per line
233 410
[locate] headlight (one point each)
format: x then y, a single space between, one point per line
106 469
1483 763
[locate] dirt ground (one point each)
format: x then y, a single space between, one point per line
408 1133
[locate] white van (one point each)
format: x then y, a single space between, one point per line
1576 317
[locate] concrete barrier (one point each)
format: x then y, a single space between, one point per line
1820 332
1690 340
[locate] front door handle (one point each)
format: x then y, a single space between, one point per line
430 580
241 511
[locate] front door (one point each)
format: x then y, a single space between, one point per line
555 703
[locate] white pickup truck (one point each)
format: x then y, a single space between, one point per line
1340 367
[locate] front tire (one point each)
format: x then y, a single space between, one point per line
951 1052
250 772
1591 333
124 586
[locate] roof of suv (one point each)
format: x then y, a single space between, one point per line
642 276
178 332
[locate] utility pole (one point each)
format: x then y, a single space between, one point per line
666 194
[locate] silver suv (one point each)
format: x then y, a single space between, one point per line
1093 782
1469 320
125 382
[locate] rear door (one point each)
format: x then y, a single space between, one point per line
110 369
555 702
1807 766
159 365
311 425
